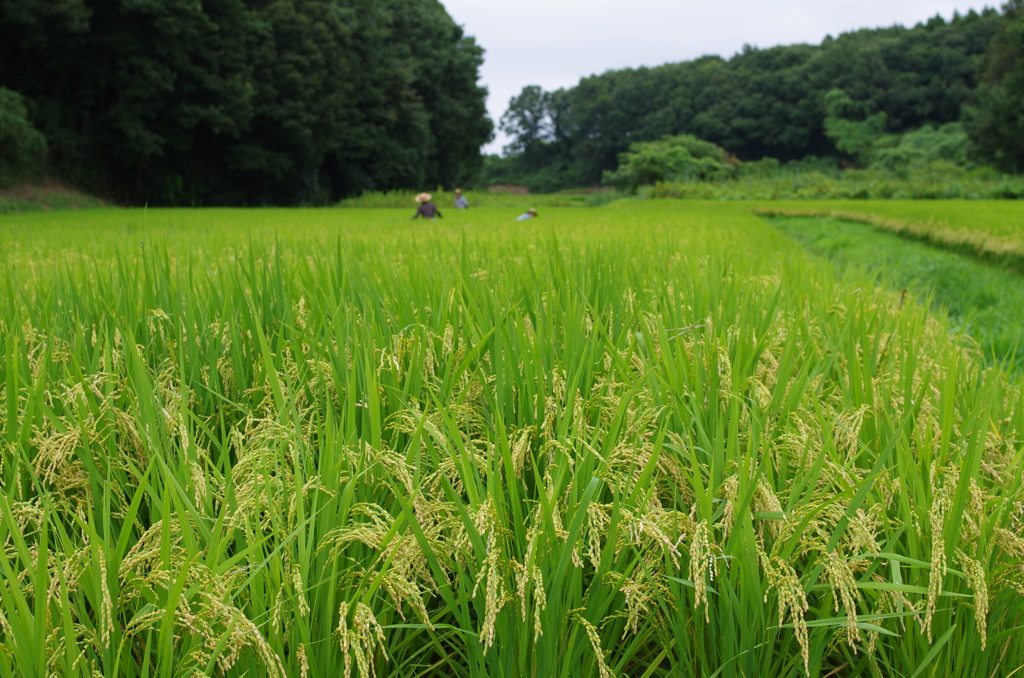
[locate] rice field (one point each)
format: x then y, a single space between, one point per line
654 439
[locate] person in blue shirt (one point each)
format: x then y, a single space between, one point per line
530 214
460 200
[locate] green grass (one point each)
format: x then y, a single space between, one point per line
655 439
984 302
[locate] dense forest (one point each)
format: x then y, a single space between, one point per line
788 103
996 120
285 102
241 102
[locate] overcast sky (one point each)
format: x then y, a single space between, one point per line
553 43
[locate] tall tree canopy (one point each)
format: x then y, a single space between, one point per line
21 145
761 102
996 124
248 101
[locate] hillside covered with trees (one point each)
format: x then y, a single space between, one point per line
242 102
996 122
837 102
289 102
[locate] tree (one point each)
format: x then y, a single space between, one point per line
444 65
851 126
22 147
996 122
761 102
527 119
248 101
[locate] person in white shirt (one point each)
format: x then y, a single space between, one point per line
530 214
460 200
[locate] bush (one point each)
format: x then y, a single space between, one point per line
22 146
683 158
928 145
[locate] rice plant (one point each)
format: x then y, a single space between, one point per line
647 440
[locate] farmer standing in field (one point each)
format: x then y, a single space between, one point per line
427 209
460 200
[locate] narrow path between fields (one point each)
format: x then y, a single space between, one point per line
985 301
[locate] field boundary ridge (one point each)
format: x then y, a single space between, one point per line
977 244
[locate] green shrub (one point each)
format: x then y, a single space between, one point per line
22 146
683 158
947 144
930 162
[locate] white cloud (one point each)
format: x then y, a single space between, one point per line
554 43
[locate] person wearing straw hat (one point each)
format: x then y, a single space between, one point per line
530 214
427 209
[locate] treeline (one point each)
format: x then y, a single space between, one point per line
769 102
245 102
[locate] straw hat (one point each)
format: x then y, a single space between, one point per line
532 211
423 197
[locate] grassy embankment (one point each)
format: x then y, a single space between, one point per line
44 197
949 183
643 441
920 246
990 230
